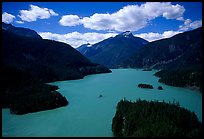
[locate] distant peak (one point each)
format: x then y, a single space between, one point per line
86 45
126 34
89 45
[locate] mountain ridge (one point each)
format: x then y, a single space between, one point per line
166 50
179 59
21 31
112 51
29 62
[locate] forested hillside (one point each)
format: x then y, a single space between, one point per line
154 119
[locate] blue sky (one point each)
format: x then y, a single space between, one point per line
77 23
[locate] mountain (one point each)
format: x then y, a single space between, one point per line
56 60
83 48
28 62
181 50
112 51
20 31
179 59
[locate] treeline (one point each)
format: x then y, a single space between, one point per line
154 119
45 60
30 62
145 86
23 93
181 78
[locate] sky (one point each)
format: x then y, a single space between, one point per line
78 23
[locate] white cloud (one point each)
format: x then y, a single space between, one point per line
173 11
151 36
196 24
36 12
168 34
76 39
69 20
187 21
180 19
130 17
99 22
7 18
19 22
188 24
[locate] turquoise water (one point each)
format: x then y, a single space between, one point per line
87 114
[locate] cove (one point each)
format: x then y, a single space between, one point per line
89 115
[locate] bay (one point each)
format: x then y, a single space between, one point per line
89 115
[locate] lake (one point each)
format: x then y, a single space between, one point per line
89 115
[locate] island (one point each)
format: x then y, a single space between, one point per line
145 86
160 87
154 119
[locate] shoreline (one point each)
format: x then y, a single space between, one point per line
193 88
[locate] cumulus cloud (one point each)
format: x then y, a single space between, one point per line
168 34
180 19
69 20
173 11
188 24
75 39
19 22
7 18
130 17
36 12
187 21
151 36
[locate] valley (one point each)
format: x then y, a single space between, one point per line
101 69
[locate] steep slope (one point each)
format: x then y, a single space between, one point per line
178 57
29 62
181 50
54 60
83 48
20 31
112 51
